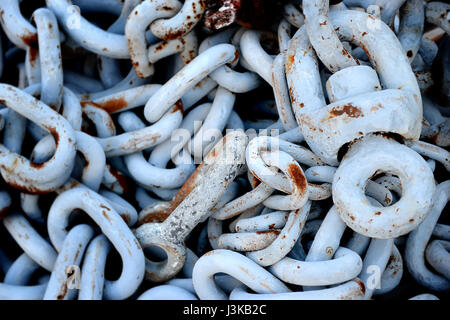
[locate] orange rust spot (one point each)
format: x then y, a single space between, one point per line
113 105
276 232
350 110
62 292
188 186
120 177
158 216
37 165
31 40
291 94
33 55
377 213
387 200
54 133
178 107
289 63
106 215
236 57
125 218
297 176
161 45
171 35
361 285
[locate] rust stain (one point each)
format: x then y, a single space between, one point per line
125 218
106 215
37 165
377 107
112 105
31 40
188 186
55 134
3 212
298 177
361 285
172 35
276 232
121 178
178 107
33 55
158 216
350 110
289 63
236 58
62 292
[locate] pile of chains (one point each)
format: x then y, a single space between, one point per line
231 149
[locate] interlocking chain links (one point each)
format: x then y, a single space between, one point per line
326 129
188 77
182 23
438 257
147 174
225 76
43 62
70 254
245 270
138 21
417 188
111 224
324 38
418 239
19 171
255 55
88 35
218 170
